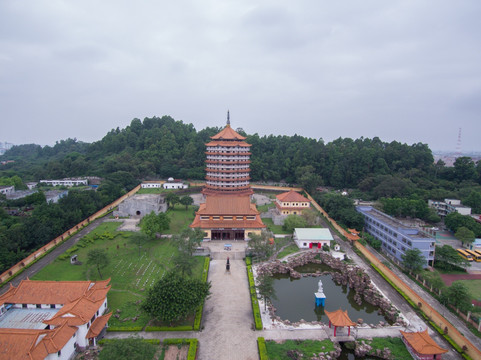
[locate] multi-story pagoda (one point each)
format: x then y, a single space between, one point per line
228 213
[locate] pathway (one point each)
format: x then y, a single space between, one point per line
51 256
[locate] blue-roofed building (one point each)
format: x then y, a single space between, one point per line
395 237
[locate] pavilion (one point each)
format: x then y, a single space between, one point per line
339 318
422 346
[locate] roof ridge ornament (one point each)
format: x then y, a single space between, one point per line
228 118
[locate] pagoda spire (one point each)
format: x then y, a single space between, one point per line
228 118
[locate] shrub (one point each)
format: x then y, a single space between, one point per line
261 344
198 313
193 343
248 260
169 328
255 303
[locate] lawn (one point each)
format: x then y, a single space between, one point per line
180 218
308 348
265 208
151 191
276 229
474 287
132 272
291 249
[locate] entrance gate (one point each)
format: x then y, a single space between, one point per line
227 234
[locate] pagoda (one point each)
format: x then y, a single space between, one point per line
228 213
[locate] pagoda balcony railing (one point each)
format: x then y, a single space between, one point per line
224 162
231 188
218 179
224 148
228 153
229 171
228 158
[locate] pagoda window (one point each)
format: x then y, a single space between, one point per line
250 217
216 218
227 217
204 218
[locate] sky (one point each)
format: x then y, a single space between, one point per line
406 70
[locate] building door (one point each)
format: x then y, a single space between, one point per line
310 245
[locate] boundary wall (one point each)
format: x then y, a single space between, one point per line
428 310
17 268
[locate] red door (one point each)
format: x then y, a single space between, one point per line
318 245
310 245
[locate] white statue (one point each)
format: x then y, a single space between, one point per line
320 287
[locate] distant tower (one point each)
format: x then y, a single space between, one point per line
458 152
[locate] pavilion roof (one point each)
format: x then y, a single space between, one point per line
422 343
98 325
228 134
339 318
292 196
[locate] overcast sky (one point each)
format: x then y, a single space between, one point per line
401 70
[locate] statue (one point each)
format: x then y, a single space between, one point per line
320 290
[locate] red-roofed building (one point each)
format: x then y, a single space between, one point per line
291 203
422 346
228 213
51 319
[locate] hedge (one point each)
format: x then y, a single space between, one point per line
198 313
248 260
151 341
193 343
124 328
255 303
169 328
261 344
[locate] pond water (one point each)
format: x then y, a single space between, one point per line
296 301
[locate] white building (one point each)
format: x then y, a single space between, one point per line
174 184
51 319
449 206
66 182
7 190
53 196
31 185
309 238
151 185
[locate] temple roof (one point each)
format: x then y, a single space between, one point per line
228 205
228 143
228 134
98 325
339 318
422 343
292 196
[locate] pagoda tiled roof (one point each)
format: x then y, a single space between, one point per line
339 318
292 196
228 134
98 325
228 205
422 343
228 143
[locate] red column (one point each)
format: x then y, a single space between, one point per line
335 327
348 331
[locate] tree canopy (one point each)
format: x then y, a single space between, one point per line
127 349
99 259
153 224
175 297
413 260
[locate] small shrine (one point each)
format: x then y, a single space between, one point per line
339 318
422 346
320 297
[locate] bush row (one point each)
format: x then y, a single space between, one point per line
198 313
124 328
261 345
169 328
193 344
255 303
150 341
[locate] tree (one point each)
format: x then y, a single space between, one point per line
306 176
473 201
294 221
265 287
127 349
260 246
458 295
446 257
98 258
186 200
139 239
174 297
464 235
464 168
153 224
413 260
172 198
187 241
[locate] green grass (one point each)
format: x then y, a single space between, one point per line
396 345
266 207
307 347
180 218
276 229
474 287
151 191
288 250
131 273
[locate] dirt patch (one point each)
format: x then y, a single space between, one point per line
173 352
450 278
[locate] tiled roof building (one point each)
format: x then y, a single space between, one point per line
422 346
50 319
291 202
227 213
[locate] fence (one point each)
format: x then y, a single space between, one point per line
15 269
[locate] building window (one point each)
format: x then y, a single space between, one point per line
52 306
38 306
24 306
305 244
59 353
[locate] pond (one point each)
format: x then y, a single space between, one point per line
313 267
296 301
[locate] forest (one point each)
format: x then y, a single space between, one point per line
161 147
